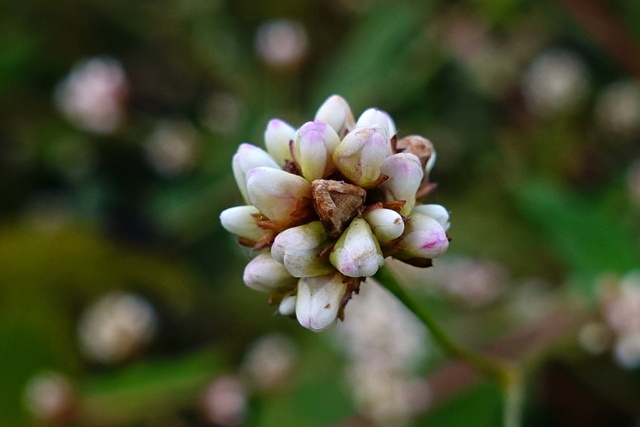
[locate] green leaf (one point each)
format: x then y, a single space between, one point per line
479 407
585 236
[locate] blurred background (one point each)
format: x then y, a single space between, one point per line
121 297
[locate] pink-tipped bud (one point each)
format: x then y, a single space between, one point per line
386 224
246 158
424 237
243 222
315 143
335 111
265 274
318 301
297 248
360 155
405 176
437 212
357 252
276 193
277 136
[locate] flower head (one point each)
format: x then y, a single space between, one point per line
327 203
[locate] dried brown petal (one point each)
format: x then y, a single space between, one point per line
336 203
417 145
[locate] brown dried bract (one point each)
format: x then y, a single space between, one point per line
415 144
336 203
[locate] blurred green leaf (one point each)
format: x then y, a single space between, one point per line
481 406
587 237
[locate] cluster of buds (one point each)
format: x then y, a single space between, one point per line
326 203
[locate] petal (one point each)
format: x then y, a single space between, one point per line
318 301
277 136
357 253
386 224
276 193
265 274
405 176
361 154
437 212
246 158
315 143
242 221
335 111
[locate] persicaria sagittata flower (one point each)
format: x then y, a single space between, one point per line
327 203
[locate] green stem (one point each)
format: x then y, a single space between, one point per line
506 374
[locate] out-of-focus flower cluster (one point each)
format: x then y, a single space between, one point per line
92 96
385 344
326 203
619 327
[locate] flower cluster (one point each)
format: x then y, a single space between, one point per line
326 203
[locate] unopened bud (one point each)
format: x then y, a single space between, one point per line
405 176
277 136
318 301
276 193
287 306
243 222
297 248
357 252
315 144
437 212
386 224
424 238
246 158
375 117
265 274
361 154
335 111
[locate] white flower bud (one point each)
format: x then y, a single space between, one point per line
277 136
424 237
357 253
375 117
386 224
318 301
265 274
430 163
246 158
287 306
276 193
335 111
297 248
361 154
437 212
405 176
315 143
242 221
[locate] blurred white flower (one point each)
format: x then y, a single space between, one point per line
618 108
92 96
225 401
627 350
173 147
620 309
50 397
385 344
281 43
555 81
595 337
270 362
116 326
221 112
